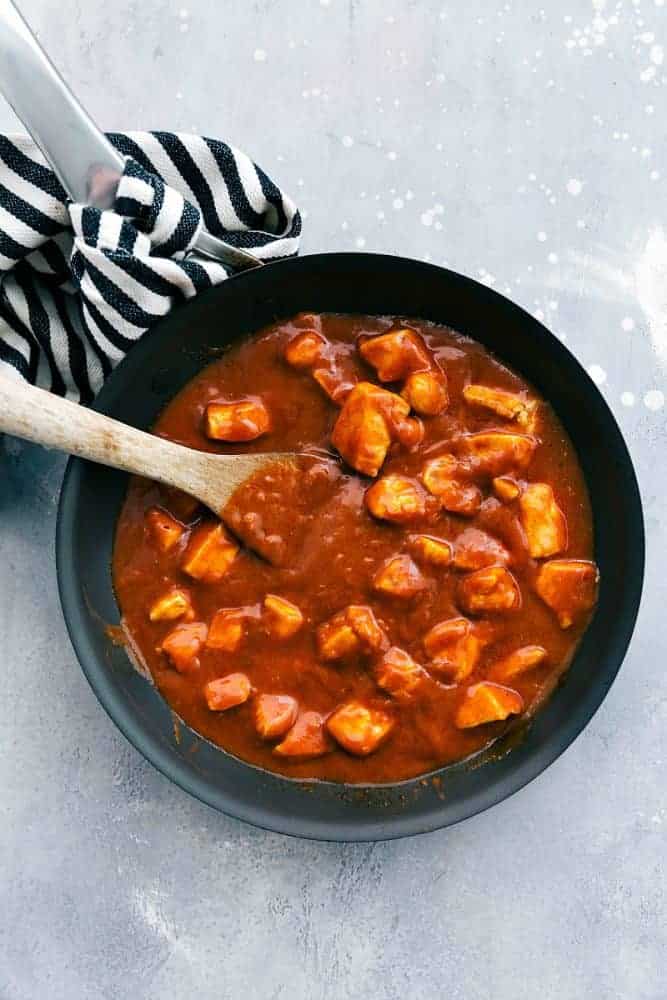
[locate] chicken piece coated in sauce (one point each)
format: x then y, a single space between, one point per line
441 477
454 649
518 662
431 551
505 404
396 498
506 488
399 577
475 549
358 729
282 619
487 702
226 629
174 604
165 530
543 521
351 630
426 392
398 674
306 739
495 453
227 692
275 714
569 587
244 420
492 589
305 350
209 554
370 420
183 645
396 354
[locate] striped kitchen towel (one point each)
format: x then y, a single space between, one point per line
78 286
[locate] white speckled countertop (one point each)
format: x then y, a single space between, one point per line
521 144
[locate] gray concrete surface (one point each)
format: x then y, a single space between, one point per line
522 144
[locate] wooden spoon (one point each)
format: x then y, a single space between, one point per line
38 415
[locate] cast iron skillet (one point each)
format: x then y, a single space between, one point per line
167 358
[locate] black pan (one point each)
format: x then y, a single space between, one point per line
170 355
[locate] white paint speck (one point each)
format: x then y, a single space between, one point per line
409 195
392 155
553 258
259 55
574 186
657 55
598 374
398 204
183 13
655 175
347 141
628 324
184 26
542 237
360 242
427 218
628 398
654 400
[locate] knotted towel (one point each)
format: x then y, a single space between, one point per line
78 286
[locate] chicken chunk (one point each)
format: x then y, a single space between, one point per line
426 392
274 715
432 551
396 498
518 662
399 577
334 384
543 521
365 625
226 630
282 619
336 638
305 350
165 529
396 354
453 648
497 452
209 554
569 587
398 674
506 488
440 477
475 549
358 729
174 604
183 645
353 629
244 420
307 738
227 692
367 425
490 589
487 702
506 404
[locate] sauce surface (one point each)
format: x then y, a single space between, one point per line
373 618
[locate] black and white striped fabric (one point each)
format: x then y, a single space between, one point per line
78 286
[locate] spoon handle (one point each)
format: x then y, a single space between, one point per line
39 416
85 162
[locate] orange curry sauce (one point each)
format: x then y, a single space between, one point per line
419 585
